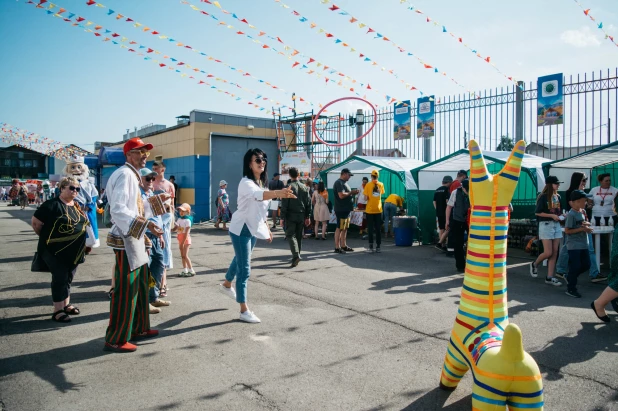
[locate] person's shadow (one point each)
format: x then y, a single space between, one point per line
435 400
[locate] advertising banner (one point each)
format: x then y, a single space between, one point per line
425 119
402 120
298 159
550 108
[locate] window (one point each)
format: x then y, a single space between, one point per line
28 163
21 163
35 163
7 162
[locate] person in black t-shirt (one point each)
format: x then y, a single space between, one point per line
176 195
61 227
440 198
344 205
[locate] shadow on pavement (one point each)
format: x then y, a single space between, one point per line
21 325
435 400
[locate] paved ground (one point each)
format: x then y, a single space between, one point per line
353 332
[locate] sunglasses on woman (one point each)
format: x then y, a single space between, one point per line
259 160
73 188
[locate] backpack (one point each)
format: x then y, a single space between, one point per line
107 216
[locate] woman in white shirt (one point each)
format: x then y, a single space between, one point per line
249 224
603 197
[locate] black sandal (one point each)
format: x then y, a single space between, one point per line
604 318
110 293
64 318
73 310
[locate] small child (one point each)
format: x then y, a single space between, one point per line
183 227
576 229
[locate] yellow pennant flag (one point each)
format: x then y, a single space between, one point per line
251 26
352 49
51 6
216 3
195 8
163 37
137 24
321 31
361 25
100 5
179 44
89 23
124 38
230 26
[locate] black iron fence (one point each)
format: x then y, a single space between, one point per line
590 120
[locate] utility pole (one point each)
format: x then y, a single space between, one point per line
359 133
609 129
519 111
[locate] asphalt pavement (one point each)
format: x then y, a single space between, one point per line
339 332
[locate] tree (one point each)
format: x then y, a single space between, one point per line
506 144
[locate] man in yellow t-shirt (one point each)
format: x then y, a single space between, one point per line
373 191
390 210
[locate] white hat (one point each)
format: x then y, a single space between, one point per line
222 183
75 159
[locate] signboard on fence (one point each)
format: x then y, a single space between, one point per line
298 159
550 105
402 120
425 119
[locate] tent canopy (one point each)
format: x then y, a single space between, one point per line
394 173
111 156
593 162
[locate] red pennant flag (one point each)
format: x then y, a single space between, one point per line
91 2
310 60
427 66
161 65
97 34
80 19
370 30
301 99
203 12
428 19
511 78
181 63
132 50
210 75
239 32
265 46
155 32
361 55
333 7
133 42
115 35
487 59
246 74
460 40
351 88
294 12
295 64
150 50
245 21
280 41
329 35
586 11
201 82
353 20
326 79
129 19
368 86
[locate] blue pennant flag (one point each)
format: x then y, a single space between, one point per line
435 69
235 16
367 59
173 59
337 41
443 29
303 19
107 31
110 12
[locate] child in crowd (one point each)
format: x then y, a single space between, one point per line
576 229
183 228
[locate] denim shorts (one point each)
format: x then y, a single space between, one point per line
549 230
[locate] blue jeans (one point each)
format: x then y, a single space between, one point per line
390 210
563 259
579 262
156 266
240 268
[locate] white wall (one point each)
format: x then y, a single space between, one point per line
431 180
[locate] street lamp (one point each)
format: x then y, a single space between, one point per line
360 117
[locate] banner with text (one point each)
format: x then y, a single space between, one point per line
298 159
425 119
402 120
550 109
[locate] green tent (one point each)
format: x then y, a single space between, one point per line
429 177
394 173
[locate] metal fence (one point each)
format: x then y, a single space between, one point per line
590 120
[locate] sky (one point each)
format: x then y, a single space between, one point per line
68 85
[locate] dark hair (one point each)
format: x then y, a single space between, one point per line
365 179
321 187
601 177
548 191
174 177
293 172
246 165
576 180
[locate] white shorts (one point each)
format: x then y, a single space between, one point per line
549 230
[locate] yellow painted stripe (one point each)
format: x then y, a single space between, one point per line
481 309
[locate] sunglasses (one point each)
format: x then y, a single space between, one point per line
259 160
141 152
149 179
73 188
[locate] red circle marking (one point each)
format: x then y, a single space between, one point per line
317 116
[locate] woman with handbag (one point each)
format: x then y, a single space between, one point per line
321 214
61 227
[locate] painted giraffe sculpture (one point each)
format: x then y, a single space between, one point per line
482 339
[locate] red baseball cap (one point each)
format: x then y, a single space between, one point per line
135 144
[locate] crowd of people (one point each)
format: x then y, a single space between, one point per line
142 209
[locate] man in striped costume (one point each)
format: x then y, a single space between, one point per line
129 314
482 339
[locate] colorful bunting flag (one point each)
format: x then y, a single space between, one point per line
23 138
599 25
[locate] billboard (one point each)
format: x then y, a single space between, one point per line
298 159
403 120
550 106
425 119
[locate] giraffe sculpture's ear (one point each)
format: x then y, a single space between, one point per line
512 168
478 168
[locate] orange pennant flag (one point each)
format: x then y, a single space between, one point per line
586 11
427 66
353 20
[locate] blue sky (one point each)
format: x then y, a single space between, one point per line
68 85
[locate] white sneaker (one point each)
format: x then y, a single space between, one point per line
249 317
230 292
534 272
553 281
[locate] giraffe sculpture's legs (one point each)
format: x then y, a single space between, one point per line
483 400
453 369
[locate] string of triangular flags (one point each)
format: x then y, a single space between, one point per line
138 49
32 141
337 40
599 24
333 7
291 52
167 38
457 38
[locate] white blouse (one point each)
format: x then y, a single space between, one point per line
252 210
605 196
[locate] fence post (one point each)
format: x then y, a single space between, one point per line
359 133
519 111
427 150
